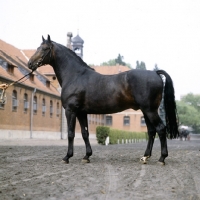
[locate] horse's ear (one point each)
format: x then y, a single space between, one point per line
43 39
49 39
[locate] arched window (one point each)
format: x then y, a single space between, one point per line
51 108
35 105
43 107
109 120
26 103
58 109
126 121
142 121
14 101
2 103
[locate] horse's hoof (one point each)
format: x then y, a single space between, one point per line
65 161
144 159
85 160
161 163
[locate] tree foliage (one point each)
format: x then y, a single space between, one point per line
155 67
140 65
116 61
189 111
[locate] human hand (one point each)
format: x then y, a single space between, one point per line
4 86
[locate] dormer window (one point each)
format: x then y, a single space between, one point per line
10 69
31 77
48 83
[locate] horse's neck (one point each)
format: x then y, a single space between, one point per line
64 68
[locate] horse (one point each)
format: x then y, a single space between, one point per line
184 133
84 91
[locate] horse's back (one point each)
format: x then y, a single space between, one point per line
146 87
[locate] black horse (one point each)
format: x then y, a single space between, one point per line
184 133
85 91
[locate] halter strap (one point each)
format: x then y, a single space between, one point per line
50 48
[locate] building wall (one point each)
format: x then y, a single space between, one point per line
136 121
24 122
135 125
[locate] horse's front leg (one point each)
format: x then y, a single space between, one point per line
71 121
82 117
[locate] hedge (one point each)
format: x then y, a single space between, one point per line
118 136
102 133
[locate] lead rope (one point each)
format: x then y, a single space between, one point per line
3 94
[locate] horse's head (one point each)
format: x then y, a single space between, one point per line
42 56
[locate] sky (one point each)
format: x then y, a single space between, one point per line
162 32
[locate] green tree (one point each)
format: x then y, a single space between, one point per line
155 67
114 62
189 111
141 65
119 60
111 62
193 100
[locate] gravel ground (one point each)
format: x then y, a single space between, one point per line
32 169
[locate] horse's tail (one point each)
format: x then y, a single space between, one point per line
170 106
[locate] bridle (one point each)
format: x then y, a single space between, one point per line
48 52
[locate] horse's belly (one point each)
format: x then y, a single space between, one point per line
105 107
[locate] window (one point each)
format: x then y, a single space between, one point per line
1 105
26 103
126 120
142 121
43 107
51 108
77 50
48 84
35 105
1 100
58 109
109 120
14 101
31 77
10 69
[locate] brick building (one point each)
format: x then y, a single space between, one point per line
33 107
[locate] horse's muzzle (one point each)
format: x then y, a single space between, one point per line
31 66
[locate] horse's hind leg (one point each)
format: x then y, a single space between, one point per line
82 117
161 130
71 121
151 133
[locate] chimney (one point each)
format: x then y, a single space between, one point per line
69 40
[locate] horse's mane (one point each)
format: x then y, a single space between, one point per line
72 53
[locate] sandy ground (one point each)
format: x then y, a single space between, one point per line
31 169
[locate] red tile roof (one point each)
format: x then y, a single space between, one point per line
19 58
109 70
